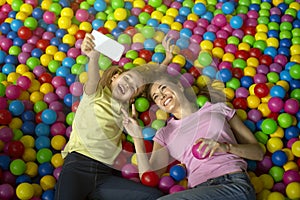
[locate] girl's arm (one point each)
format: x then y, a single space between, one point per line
87 47
248 146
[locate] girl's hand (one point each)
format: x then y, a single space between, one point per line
169 48
87 46
131 124
211 146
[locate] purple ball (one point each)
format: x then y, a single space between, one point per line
275 104
58 128
50 97
291 106
279 187
260 78
220 20
252 14
189 24
287 18
176 188
225 65
173 69
251 22
165 183
27 47
137 46
39 70
196 39
187 79
129 171
254 115
6 134
23 57
291 176
212 28
6 191
275 11
275 67
238 33
222 34
262 69
199 30
123 61
56 105
231 48
265 165
174 34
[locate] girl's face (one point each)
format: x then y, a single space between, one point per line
126 85
166 95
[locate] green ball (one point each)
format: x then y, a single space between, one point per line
3 77
124 39
82 59
233 40
77 69
84 5
268 126
17 167
277 173
294 94
205 58
273 26
53 65
31 23
273 77
148 31
2 90
16 4
249 39
239 63
32 62
44 155
263 20
40 106
155 3
285 120
132 54
201 100
261 137
55 8
295 71
14 50
163 9
233 83
104 62
101 15
141 104
70 117
144 17
18 134
260 44
188 3
117 4
128 66
158 123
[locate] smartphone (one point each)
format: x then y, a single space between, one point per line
107 46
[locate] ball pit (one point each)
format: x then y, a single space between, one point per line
251 46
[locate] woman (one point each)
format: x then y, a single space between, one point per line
222 174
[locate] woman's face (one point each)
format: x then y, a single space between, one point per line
126 85
166 95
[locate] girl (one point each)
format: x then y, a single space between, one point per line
95 141
221 173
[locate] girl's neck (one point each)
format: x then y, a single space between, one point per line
186 110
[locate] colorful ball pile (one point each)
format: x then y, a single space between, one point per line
252 46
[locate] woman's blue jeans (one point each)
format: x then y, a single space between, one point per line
235 186
83 178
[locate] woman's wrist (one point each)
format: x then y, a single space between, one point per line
228 147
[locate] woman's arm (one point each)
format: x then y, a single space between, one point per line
247 146
87 47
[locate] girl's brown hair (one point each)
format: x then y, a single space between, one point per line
107 75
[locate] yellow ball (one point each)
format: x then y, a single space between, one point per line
267 180
264 109
179 59
295 5
83 77
172 12
274 144
228 57
244 46
21 16
262 28
134 159
277 2
257 183
45 59
176 26
60 56
253 101
30 75
192 17
162 115
31 169
278 133
58 142
29 154
266 99
249 71
139 4
26 8
120 14
206 45
218 52
138 38
157 15
22 68
202 81
293 190
251 89
284 84
159 36
242 114
16 123
25 191
275 196
57 160
38 191
261 36
72 30
290 165
139 61
45 5
46 88
289 153
36 96
272 42
28 141
13 77
47 182
67 12
252 62
167 20
64 22
69 39
110 25
263 195
296 148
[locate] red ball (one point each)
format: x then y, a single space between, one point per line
265 60
255 52
103 30
127 147
80 34
75 106
273 115
148 146
42 44
38 117
237 73
196 72
75 6
148 9
261 90
45 78
242 54
130 30
145 117
150 178
250 30
5 117
240 103
146 55
220 42
24 33
16 149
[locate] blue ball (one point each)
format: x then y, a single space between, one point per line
250 124
180 18
271 51
55 41
28 127
24 178
4 162
228 8
68 99
12 14
199 9
158 57
209 71
251 165
224 75
63 47
52 28
285 75
42 129
236 22
128 5
185 33
63 71
45 168
37 52
60 33
133 20
28 115
5 28
291 132
42 142
100 5
164 28
8 68
255 7
178 172
48 116
183 43
68 62
12 35
97 23
18 42
185 11
294 84
123 25
16 107
2 57
208 16
148 133
275 18
211 36
279 158
92 11
48 195
116 32
277 91
152 22
150 44
70 78
11 59
282 7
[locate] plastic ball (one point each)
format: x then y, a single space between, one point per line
279 158
165 183
295 72
275 104
6 191
17 167
44 155
296 148
293 190
176 188
277 173
291 176
204 58
141 104
178 172
198 153
285 120
47 182
129 171
291 106
150 179
25 191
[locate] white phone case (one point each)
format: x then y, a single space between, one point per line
108 46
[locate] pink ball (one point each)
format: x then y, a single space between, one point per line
56 105
6 8
68 131
58 128
165 183
173 69
291 176
265 165
212 28
194 47
73 52
76 89
203 22
187 79
136 11
199 31
23 57
82 15
13 92
290 142
48 35
34 3
49 17
56 172
50 97
3 103
34 39
129 171
39 31
254 115
241 92
174 34
61 91
58 81
225 65
222 34
252 14
230 48
39 70
24 82
61 117
189 24
199 154
27 47
78 43
123 61
281 59
196 39
6 191
5 44
175 5
137 46
176 188
291 106
220 20
275 104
